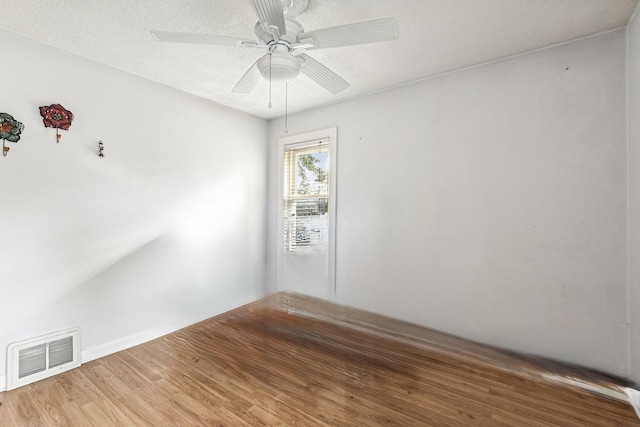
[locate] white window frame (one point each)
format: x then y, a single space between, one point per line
301 139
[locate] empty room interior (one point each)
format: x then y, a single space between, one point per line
319 212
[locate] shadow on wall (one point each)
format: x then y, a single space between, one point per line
160 286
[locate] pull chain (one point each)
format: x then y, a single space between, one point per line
270 55
286 108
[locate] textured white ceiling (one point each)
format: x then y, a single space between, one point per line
436 36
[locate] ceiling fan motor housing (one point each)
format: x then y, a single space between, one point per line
280 66
293 28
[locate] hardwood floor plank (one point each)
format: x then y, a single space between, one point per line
76 415
5 416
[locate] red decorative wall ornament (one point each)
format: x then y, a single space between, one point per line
56 116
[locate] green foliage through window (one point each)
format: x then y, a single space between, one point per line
310 168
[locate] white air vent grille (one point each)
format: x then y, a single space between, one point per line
37 358
32 360
60 352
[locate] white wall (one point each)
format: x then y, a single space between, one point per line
166 230
634 192
489 203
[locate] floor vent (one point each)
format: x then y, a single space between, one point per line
38 358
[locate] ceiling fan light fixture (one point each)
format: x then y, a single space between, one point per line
281 67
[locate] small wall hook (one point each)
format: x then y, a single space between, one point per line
100 149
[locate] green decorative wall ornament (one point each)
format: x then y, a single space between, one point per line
10 130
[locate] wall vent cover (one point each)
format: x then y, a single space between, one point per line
41 357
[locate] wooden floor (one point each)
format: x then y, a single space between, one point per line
265 367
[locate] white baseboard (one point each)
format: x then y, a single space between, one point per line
634 399
3 383
102 350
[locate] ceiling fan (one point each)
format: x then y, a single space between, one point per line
286 42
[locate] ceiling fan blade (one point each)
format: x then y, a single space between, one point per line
375 30
322 75
173 37
270 14
249 81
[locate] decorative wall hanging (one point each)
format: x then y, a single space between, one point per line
56 116
10 130
100 149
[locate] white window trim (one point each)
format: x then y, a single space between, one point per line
332 135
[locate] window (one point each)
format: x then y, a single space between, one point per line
306 197
307 210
